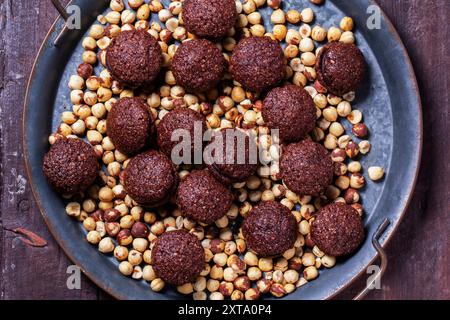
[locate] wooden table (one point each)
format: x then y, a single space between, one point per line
419 253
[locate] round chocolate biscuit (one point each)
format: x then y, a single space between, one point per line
198 65
181 119
209 18
70 166
202 198
291 110
306 167
340 67
134 58
258 63
270 229
150 178
130 125
234 157
178 257
337 229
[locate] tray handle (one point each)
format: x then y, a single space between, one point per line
63 13
383 259
60 8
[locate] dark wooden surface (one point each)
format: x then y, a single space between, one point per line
419 253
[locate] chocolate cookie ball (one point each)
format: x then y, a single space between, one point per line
70 166
236 165
178 257
291 110
202 198
209 18
340 67
258 63
150 178
198 65
337 229
130 125
134 58
306 168
270 229
184 119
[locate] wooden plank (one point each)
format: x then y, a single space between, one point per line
418 253
26 272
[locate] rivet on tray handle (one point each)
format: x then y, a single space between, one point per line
383 259
62 11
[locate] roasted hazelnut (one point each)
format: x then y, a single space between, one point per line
277 290
351 196
338 155
252 294
139 230
124 237
352 149
376 173
85 70
98 215
295 263
236 264
237 295
309 242
112 228
360 130
340 168
106 245
242 283
217 245
111 215
263 285
358 207
357 180
226 288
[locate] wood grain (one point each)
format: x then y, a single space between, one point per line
27 272
419 263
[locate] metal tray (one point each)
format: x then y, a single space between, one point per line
389 100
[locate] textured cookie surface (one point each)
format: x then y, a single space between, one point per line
178 257
337 229
270 229
70 165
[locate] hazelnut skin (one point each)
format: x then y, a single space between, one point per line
360 130
112 228
111 215
98 215
139 230
124 237
85 70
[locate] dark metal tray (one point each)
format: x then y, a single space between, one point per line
390 103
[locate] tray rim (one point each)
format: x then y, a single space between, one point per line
389 234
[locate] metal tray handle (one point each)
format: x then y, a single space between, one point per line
62 11
383 259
